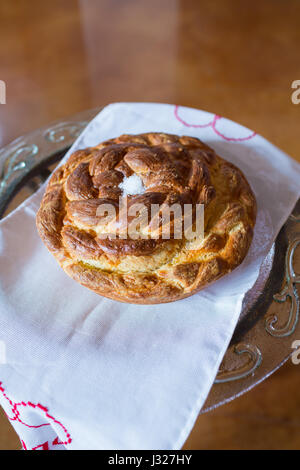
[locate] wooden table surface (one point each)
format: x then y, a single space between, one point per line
237 58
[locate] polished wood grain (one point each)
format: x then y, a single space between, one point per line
267 417
234 58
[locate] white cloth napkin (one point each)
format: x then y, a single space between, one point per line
83 372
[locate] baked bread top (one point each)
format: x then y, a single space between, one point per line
173 170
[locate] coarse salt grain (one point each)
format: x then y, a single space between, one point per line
132 185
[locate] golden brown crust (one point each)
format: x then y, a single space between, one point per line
173 169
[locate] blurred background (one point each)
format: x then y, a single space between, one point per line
236 58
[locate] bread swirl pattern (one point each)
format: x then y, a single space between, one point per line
181 170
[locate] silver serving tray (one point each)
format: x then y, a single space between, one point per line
268 324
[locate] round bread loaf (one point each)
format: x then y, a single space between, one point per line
146 269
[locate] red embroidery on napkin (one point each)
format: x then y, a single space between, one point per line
44 446
23 445
212 124
56 442
16 416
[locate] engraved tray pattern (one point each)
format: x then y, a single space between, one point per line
268 323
